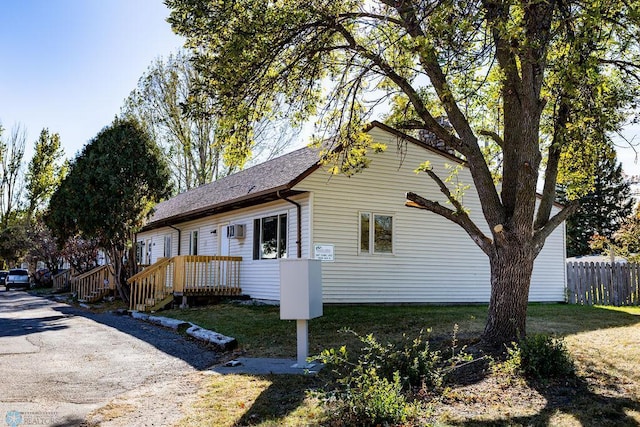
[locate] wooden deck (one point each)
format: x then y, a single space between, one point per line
184 275
93 285
62 280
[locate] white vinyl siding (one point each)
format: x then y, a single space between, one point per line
433 260
259 278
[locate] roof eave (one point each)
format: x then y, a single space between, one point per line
248 200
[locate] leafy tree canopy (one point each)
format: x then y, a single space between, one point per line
111 187
45 171
183 120
537 85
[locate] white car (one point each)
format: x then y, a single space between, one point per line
18 278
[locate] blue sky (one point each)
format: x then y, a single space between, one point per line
68 65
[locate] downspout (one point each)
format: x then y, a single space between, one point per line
179 235
299 221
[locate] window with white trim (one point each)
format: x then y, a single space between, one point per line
193 242
270 237
147 259
167 246
139 252
376 233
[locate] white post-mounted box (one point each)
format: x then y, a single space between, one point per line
300 289
301 299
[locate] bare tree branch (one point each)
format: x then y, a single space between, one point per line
542 233
407 88
462 219
493 135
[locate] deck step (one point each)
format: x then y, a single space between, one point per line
162 303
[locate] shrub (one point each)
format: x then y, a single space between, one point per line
414 361
370 400
371 385
541 357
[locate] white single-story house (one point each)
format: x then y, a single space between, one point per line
374 249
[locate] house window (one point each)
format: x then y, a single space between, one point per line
148 253
167 246
270 237
193 243
376 233
139 251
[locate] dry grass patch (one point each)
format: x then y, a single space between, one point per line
604 342
110 412
267 401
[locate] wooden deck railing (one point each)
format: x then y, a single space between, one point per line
151 285
62 280
216 275
93 284
185 275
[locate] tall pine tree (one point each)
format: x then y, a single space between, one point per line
603 210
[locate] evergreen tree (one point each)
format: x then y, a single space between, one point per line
109 190
603 210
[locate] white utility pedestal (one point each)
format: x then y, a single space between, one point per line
301 299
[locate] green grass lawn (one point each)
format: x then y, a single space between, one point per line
261 333
604 341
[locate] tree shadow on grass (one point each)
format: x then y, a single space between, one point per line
573 398
284 395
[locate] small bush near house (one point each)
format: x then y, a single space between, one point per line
374 385
370 400
414 360
541 357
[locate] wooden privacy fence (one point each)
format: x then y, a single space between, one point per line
590 283
184 275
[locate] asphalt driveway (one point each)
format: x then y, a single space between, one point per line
58 363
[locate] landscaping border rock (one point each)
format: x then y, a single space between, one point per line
216 339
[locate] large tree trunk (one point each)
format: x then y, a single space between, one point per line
511 268
116 269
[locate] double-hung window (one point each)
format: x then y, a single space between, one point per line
270 237
167 246
139 252
193 243
376 233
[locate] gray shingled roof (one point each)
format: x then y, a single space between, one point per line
266 178
258 183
